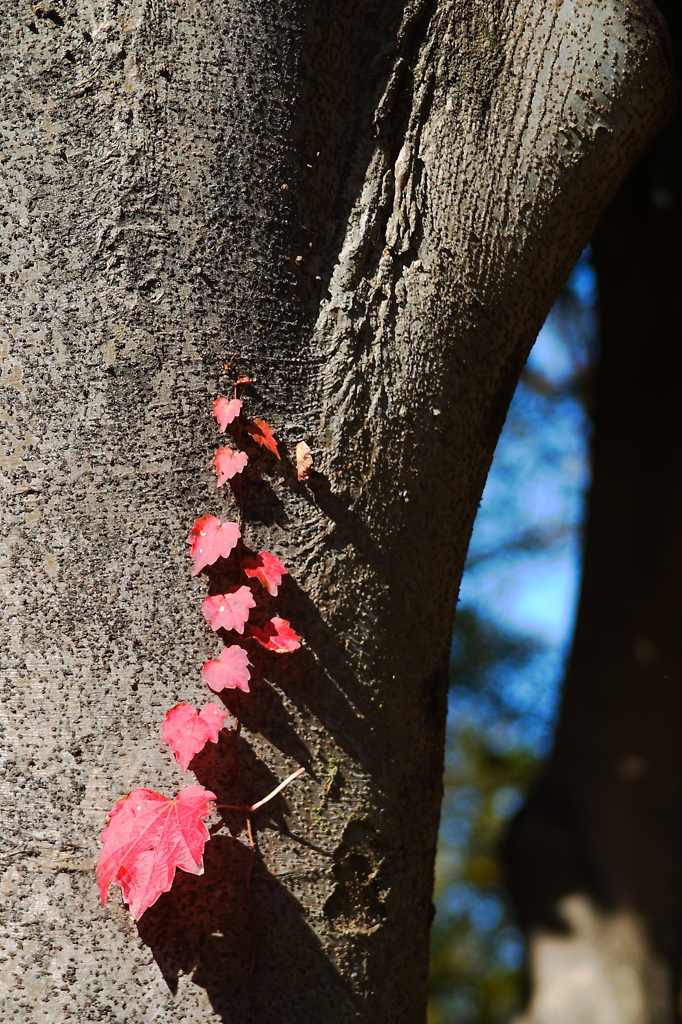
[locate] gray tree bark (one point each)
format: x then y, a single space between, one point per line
375 205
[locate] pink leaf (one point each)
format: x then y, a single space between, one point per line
277 635
230 672
266 568
228 463
261 432
225 411
147 838
187 732
211 540
304 460
230 610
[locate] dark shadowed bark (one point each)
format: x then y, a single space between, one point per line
374 203
596 856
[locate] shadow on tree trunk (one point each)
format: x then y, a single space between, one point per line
205 927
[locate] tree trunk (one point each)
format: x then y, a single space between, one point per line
595 855
374 204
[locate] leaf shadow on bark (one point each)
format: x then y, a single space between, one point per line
205 926
316 678
262 711
232 770
322 680
254 493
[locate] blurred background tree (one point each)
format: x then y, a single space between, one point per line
594 856
513 629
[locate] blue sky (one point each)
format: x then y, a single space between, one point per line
524 564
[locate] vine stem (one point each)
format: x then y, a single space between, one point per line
244 808
240 500
249 894
247 810
259 803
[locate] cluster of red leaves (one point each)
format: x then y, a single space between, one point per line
149 836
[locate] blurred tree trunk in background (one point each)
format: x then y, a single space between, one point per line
595 857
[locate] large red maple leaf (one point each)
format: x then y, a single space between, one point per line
266 568
230 610
210 540
230 672
149 836
187 731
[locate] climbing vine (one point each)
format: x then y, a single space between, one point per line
149 836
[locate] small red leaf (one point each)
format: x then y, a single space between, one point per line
266 568
262 433
147 838
187 732
304 460
230 610
211 540
225 411
228 463
277 635
230 672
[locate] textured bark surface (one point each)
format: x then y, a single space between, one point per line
596 854
375 203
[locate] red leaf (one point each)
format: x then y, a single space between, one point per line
147 837
262 433
225 411
304 460
266 568
211 540
228 463
277 635
230 610
230 672
187 732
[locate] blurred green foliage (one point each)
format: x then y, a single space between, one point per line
477 952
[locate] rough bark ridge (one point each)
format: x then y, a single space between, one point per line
375 203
